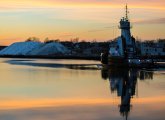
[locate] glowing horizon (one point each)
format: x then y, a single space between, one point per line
88 20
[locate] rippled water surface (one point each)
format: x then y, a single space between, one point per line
79 90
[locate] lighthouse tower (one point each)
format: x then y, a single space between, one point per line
126 35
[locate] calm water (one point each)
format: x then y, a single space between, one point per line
78 90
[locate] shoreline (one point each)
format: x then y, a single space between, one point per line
76 57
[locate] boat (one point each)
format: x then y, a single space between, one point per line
122 52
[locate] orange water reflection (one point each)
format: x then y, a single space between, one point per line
45 86
18 104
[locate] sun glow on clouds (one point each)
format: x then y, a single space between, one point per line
154 4
54 18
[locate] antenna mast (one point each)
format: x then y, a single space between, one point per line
126 12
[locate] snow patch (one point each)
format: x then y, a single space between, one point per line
21 48
50 49
34 48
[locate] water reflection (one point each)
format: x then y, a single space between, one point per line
70 86
75 66
124 82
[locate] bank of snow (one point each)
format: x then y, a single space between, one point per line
51 49
34 48
21 48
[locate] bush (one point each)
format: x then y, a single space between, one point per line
50 41
34 39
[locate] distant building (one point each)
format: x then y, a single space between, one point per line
153 48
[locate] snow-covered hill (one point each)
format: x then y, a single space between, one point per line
21 48
34 48
50 49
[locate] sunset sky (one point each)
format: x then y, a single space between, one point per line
86 19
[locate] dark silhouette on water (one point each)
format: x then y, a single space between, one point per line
124 81
54 65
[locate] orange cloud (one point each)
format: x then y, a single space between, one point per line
154 4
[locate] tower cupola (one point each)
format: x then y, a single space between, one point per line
125 28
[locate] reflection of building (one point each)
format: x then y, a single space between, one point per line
124 82
145 75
